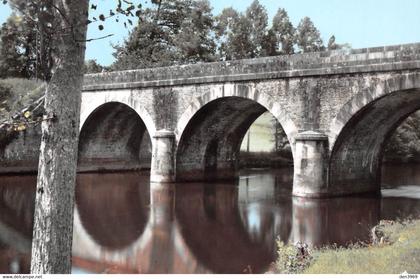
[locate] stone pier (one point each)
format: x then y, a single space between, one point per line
337 108
310 164
163 157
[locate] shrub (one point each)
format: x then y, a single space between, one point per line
292 258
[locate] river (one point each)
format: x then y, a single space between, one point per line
124 224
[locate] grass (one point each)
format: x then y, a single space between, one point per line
397 251
265 159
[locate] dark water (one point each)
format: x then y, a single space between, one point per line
124 224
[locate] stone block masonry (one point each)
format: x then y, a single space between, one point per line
337 108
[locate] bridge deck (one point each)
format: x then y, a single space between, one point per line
349 61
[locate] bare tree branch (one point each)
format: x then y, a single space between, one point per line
94 39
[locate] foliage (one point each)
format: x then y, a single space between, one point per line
224 31
308 36
292 259
284 31
257 17
27 38
13 62
401 253
404 144
244 35
93 67
194 41
33 38
185 31
171 32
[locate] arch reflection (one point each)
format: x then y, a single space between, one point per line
211 225
124 224
113 207
212 228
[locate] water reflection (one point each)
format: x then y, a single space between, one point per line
113 208
124 224
17 196
213 230
338 220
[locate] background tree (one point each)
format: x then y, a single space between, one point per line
256 14
145 46
223 27
243 35
185 31
171 32
284 32
269 44
239 43
13 62
37 32
93 67
308 36
195 42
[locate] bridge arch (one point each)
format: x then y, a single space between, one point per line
114 137
242 91
359 132
210 132
91 101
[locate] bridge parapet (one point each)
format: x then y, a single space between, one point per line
376 59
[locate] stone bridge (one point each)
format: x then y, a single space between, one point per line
337 109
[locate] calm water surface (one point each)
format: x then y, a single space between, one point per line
124 224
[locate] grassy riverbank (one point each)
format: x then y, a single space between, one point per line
396 250
266 159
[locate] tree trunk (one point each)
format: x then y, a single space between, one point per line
53 220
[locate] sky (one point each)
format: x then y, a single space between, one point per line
361 23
